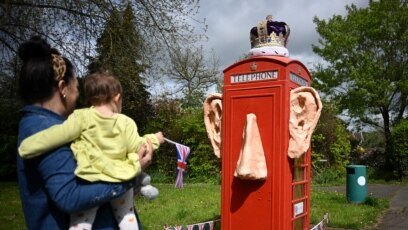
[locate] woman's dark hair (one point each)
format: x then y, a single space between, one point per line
36 80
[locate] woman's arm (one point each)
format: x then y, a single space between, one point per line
70 193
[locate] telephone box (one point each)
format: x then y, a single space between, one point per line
261 85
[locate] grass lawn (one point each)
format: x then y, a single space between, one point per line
195 203
11 214
198 203
343 214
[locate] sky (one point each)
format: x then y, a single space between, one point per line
229 23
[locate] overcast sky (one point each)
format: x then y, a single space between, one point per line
229 23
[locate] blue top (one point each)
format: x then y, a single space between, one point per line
49 189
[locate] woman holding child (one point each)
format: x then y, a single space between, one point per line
49 189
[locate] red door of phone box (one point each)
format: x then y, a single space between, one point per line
261 85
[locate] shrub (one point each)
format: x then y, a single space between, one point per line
185 126
399 148
329 176
331 146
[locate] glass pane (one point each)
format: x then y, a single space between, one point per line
298 191
298 174
298 224
300 160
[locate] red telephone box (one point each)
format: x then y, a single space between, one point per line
261 85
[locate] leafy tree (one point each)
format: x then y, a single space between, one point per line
192 73
366 54
120 38
74 26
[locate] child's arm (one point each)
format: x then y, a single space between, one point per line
135 141
156 139
50 138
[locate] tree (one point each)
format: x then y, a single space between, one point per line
366 69
9 109
119 39
74 26
192 73
330 144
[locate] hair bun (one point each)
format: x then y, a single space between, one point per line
34 48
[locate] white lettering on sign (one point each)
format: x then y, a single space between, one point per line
258 76
297 209
298 79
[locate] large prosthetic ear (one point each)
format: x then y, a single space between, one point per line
305 109
212 120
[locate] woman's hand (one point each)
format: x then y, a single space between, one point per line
146 154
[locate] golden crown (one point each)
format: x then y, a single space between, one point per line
269 33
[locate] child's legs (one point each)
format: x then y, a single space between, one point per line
83 220
124 212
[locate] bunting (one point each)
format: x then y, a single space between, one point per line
321 224
209 225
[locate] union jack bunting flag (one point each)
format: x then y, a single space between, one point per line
321 225
211 223
182 155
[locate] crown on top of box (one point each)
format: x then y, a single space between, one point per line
269 33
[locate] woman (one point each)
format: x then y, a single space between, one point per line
48 186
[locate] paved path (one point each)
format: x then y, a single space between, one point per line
396 217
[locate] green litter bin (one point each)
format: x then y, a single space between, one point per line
356 183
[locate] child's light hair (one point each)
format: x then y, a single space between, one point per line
101 87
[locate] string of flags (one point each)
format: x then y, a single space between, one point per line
183 152
321 224
209 225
